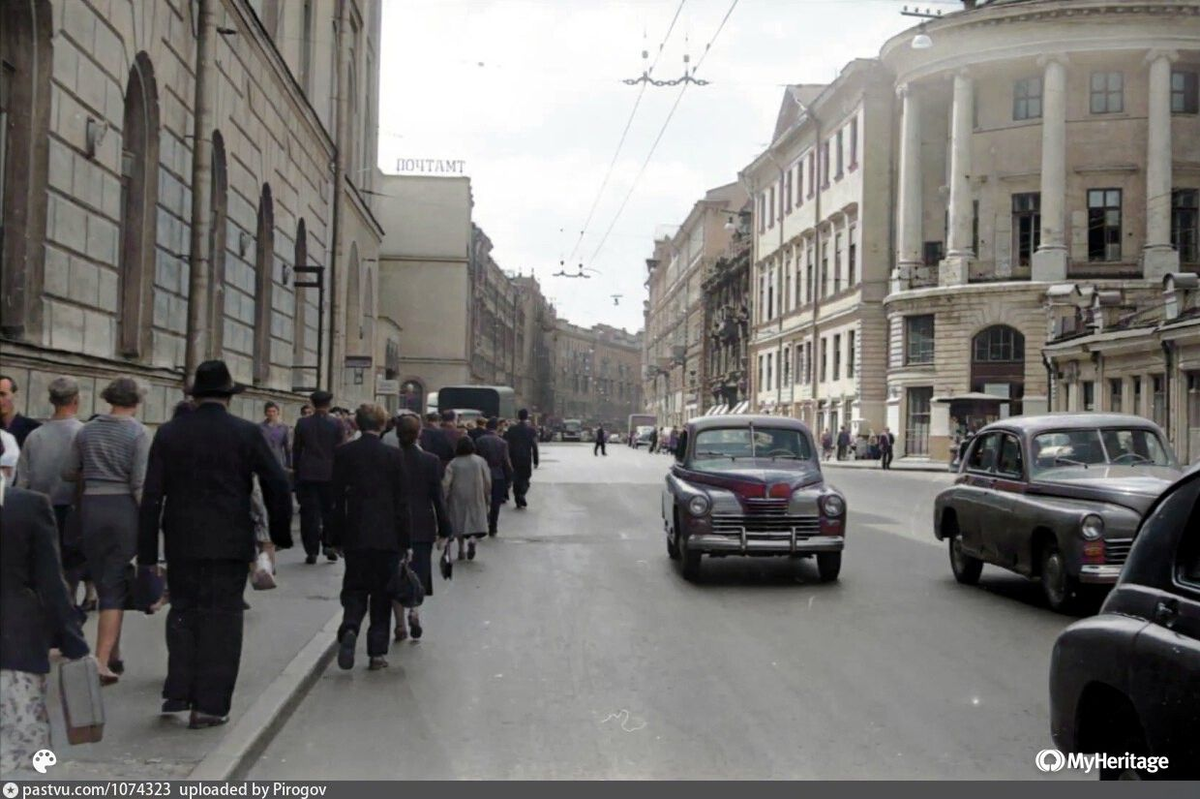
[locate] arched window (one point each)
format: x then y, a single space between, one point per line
300 315
139 207
998 344
354 314
217 236
264 280
25 64
412 396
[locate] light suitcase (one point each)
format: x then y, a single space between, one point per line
83 707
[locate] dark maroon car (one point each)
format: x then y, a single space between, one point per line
751 485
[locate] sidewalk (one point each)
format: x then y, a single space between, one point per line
286 641
899 465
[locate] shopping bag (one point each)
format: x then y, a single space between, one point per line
83 706
405 586
445 564
262 579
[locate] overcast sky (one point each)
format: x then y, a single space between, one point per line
529 94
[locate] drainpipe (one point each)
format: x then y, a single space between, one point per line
338 178
1168 348
199 257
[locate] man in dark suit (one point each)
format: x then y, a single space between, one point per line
198 489
523 452
433 439
315 439
601 442
427 510
494 449
371 527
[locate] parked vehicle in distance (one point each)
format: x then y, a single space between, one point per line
638 421
1056 497
466 416
1128 680
572 430
751 485
642 435
498 401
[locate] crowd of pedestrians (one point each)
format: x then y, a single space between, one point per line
108 516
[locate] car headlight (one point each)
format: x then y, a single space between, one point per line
1092 527
698 505
833 505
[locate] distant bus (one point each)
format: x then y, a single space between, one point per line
572 430
498 401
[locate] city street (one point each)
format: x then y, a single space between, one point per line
572 648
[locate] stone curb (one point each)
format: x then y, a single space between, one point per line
253 731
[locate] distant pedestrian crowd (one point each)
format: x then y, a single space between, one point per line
102 516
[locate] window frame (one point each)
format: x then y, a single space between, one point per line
1110 235
1188 94
1106 93
1023 98
1026 207
923 347
1185 224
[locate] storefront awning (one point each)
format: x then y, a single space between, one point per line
972 396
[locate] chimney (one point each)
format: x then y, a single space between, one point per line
1179 294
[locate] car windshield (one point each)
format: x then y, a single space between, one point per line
723 446
1118 446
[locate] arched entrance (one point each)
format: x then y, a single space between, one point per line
412 396
998 370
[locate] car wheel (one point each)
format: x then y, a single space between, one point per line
829 565
1061 590
672 545
690 560
965 567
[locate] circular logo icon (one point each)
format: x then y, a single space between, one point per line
10 790
1050 760
42 760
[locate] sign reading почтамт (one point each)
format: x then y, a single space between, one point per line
431 166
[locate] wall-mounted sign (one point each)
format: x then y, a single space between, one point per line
358 361
431 166
387 388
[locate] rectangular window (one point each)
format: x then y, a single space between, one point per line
800 183
837 356
918 339
1185 224
975 227
824 358
812 173
1107 92
1185 93
1137 396
1027 98
762 212
850 354
840 155
1089 395
825 270
770 363
854 142
933 253
1115 388
808 362
760 371
306 34
837 263
781 198
852 264
785 366
1026 225
1104 224
808 273
771 209
825 163
916 428
787 191
1158 400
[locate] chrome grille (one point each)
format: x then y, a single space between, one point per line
766 507
1116 550
766 526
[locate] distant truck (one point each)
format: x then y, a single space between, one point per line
637 431
498 401
572 430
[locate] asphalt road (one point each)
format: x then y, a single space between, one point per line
572 648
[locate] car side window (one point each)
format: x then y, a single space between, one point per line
1187 559
983 454
1009 461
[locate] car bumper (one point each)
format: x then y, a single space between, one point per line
751 545
1099 574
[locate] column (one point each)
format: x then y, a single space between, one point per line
908 226
1158 257
1050 259
954 269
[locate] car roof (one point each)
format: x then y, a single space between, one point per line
744 420
1033 425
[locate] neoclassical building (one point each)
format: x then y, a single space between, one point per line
186 180
1038 143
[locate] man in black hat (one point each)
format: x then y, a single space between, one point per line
198 486
313 443
523 452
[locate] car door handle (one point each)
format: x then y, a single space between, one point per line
1166 611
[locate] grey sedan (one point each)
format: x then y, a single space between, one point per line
1056 497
